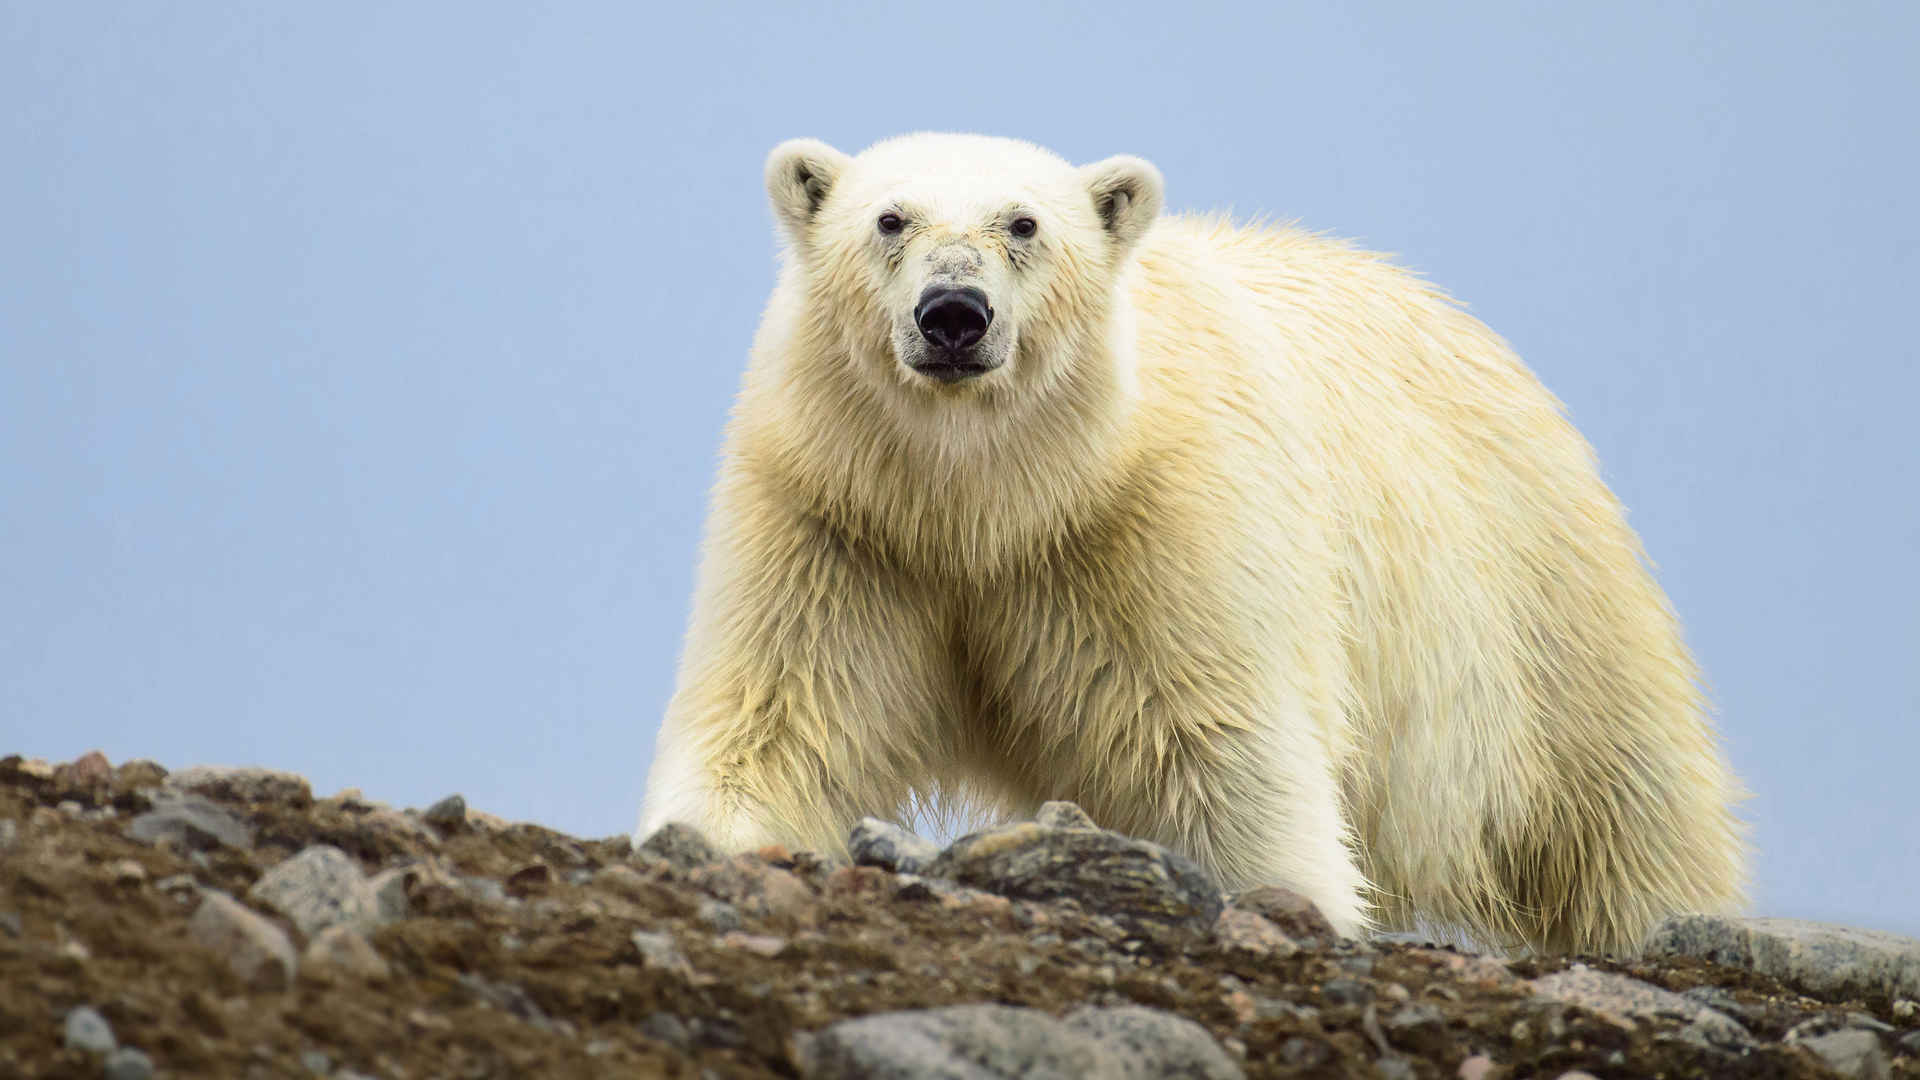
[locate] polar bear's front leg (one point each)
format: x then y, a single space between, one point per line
812 690
1253 804
1278 820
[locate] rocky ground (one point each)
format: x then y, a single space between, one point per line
225 923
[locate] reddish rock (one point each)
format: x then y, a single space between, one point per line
89 770
1293 914
1241 931
756 888
758 944
859 881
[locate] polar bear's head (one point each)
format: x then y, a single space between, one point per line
956 262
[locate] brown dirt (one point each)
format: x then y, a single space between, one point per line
548 982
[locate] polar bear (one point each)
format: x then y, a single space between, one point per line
1241 538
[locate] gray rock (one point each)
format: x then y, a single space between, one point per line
449 813
1619 995
255 950
1132 880
989 1042
316 1062
9 832
11 925
484 889
718 916
128 1063
881 843
1819 959
389 888
659 952
86 1030
680 846
507 997
1715 997
1870 1022
962 1042
1396 1067
1063 815
667 1028
1853 1053
322 886
1151 1043
1910 1042
244 783
189 822
1346 992
1419 1016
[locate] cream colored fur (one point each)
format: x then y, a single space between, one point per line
1255 546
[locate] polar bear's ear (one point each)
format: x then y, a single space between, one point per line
1126 193
800 172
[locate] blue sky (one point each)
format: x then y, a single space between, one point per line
362 367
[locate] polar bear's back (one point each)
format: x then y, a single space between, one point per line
1513 671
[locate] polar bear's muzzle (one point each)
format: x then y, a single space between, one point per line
952 321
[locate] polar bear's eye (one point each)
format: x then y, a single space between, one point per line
890 223
1023 227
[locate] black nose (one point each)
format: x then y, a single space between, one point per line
953 319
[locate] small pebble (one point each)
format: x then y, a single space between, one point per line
718 916
316 1062
758 944
87 1030
1346 992
126 872
10 923
680 846
1063 815
667 1028
1475 1068
128 1063
659 952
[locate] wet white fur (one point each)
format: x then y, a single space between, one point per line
1256 546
